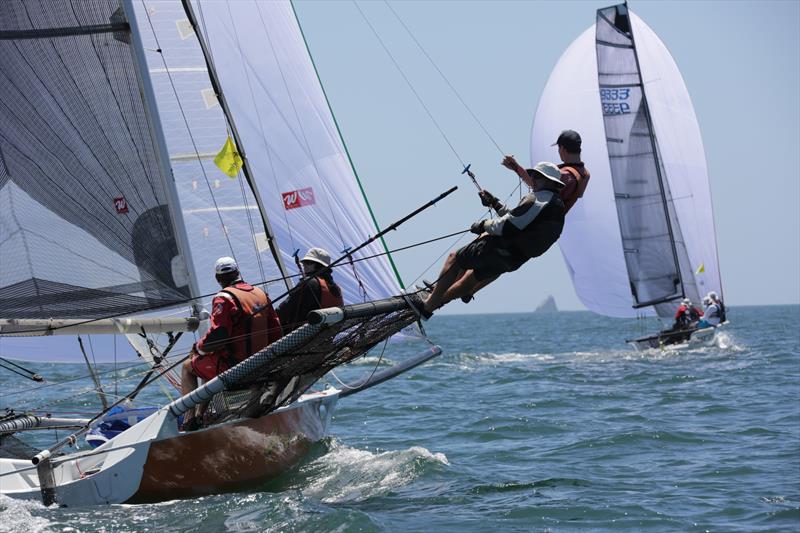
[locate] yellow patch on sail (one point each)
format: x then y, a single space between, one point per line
701 268
228 159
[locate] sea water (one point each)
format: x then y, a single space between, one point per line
527 422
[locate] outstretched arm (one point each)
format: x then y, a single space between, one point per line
510 163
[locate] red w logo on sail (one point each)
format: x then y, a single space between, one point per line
121 205
298 198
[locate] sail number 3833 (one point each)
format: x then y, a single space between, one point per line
614 101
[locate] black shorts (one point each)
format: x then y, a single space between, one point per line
488 257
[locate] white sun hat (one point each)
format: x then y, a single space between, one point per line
318 255
548 171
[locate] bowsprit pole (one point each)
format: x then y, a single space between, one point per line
374 238
471 175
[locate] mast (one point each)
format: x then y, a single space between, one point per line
151 112
246 170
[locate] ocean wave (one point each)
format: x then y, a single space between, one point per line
513 486
371 360
346 474
472 361
16 516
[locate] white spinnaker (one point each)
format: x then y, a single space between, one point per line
591 243
291 140
681 148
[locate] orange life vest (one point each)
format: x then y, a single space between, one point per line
326 297
582 177
250 329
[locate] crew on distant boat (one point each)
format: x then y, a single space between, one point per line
687 315
711 315
316 291
716 299
243 322
574 173
507 242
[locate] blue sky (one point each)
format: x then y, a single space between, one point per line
740 61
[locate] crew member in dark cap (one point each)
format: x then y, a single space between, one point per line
574 173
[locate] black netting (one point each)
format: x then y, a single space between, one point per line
60 299
82 201
286 377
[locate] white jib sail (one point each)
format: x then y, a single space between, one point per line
299 162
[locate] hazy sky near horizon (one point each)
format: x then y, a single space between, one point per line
740 62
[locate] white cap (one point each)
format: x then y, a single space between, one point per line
226 265
713 295
318 255
686 301
548 171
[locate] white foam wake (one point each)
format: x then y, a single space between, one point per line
347 474
16 516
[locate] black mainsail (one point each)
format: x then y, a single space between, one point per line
651 235
86 227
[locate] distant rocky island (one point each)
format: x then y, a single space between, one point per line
548 305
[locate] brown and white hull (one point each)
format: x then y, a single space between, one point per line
153 462
239 455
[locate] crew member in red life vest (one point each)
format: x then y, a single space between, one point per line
243 322
574 173
686 315
316 291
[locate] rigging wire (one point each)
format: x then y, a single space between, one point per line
428 111
444 77
29 374
71 380
410 85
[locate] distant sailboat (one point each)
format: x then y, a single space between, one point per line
548 305
110 205
642 238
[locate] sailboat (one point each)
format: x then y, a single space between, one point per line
642 238
113 209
